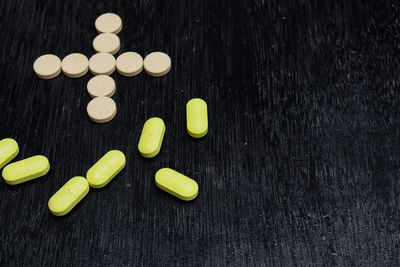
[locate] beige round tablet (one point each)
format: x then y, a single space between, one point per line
47 66
108 22
101 109
157 64
75 65
102 63
101 85
129 64
106 43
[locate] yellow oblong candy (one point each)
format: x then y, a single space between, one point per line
68 196
176 184
196 118
26 170
101 173
151 138
8 150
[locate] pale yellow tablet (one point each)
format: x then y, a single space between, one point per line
47 66
102 63
108 22
101 109
101 85
129 64
157 64
106 43
75 65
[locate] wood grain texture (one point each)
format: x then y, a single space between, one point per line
301 164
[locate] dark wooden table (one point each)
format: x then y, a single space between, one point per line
301 165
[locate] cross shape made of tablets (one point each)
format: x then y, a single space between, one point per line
103 63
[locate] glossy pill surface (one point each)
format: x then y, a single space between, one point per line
68 196
26 170
106 169
177 184
8 150
151 138
197 118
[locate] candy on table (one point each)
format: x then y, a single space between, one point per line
26 170
176 184
151 138
8 150
68 196
196 118
104 170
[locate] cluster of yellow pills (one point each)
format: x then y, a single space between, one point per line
101 87
105 169
151 140
98 176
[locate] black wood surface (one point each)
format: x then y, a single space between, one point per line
301 164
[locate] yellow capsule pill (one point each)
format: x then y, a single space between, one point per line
151 138
8 150
196 118
68 196
106 169
26 170
177 184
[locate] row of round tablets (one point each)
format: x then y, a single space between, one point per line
76 65
130 64
102 108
